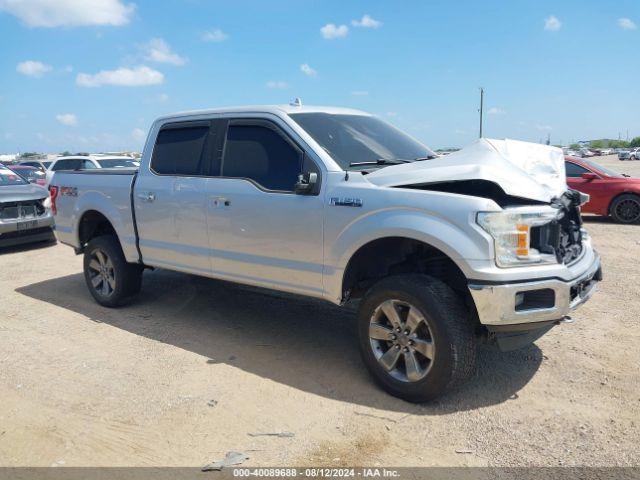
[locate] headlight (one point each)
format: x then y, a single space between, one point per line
511 232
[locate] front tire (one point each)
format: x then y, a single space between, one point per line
109 277
626 208
416 338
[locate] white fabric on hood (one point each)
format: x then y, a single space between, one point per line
521 169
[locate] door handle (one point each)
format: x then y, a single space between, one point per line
221 201
146 196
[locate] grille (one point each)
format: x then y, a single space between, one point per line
19 210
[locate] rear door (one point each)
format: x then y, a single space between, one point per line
260 231
170 199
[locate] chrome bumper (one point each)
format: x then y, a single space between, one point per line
11 225
496 303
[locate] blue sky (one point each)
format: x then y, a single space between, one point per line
91 75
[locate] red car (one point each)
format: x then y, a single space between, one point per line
31 174
611 193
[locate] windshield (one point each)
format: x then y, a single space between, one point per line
8 177
608 172
354 139
118 163
46 164
34 174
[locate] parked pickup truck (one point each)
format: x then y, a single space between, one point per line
439 254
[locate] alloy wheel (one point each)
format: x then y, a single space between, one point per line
629 210
102 273
401 340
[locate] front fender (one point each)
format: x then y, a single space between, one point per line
453 240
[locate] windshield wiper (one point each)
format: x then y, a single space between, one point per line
420 159
380 161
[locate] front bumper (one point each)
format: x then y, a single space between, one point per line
534 302
39 229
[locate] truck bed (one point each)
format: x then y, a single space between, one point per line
108 191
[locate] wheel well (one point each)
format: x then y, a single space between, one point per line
397 255
93 224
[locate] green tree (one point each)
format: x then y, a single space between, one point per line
635 142
618 144
596 143
574 146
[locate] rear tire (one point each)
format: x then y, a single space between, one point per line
109 277
434 348
626 208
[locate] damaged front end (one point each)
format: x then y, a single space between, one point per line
562 237
526 231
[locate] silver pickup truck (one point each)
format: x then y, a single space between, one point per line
438 254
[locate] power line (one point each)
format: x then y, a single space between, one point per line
481 108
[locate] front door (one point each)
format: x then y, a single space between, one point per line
596 188
260 231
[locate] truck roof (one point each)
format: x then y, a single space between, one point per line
274 109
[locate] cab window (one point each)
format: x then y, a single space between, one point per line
180 150
68 164
573 170
263 155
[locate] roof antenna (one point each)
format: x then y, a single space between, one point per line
296 102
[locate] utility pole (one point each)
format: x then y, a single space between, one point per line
481 108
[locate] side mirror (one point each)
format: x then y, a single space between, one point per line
306 182
589 176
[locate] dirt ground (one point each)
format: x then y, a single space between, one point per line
194 367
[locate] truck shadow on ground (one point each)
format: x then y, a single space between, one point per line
303 343
27 247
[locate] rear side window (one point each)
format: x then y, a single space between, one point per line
70 164
574 170
180 151
88 164
262 155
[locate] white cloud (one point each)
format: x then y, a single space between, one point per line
366 22
163 97
627 24
331 31
359 93
122 77
69 13
277 84
552 23
68 119
32 68
216 35
138 134
543 128
307 70
496 111
159 51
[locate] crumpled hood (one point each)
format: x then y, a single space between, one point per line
521 169
18 193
